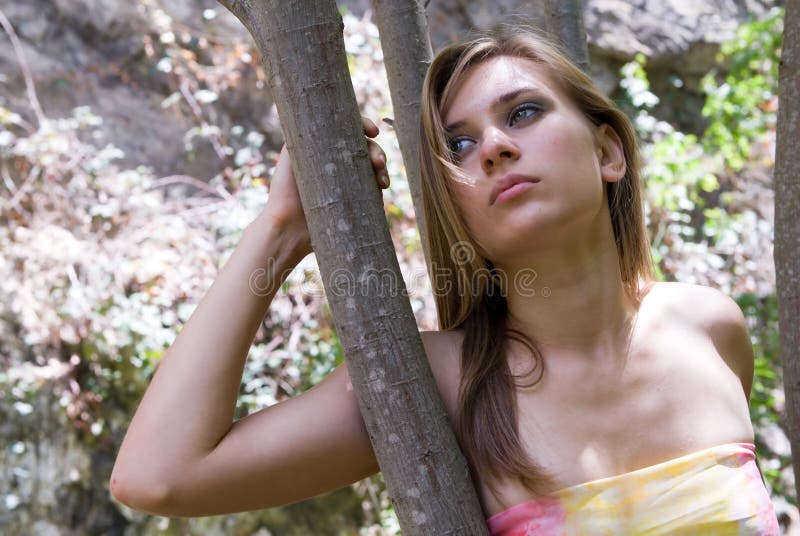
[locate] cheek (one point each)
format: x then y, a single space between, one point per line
570 155
472 202
468 198
475 222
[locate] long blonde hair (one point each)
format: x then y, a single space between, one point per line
486 425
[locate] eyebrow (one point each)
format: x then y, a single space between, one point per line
498 103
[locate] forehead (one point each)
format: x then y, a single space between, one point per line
485 82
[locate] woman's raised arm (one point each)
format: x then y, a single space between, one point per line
183 455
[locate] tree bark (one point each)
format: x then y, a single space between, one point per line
787 222
564 21
427 476
406 65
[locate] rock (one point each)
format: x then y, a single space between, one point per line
54 481
50 470
93 52
105 53
107 19
680 39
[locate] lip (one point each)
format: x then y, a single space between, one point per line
508 181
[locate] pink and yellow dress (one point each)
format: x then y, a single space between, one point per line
715 491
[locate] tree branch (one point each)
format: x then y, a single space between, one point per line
26 73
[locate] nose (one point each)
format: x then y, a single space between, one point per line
497 148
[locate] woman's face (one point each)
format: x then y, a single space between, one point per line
535 164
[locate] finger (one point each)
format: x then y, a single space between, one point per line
383 178
283 162
376 155
370 128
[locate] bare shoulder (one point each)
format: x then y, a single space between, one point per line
446 342
703 307
444 355
712 313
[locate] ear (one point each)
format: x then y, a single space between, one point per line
611 154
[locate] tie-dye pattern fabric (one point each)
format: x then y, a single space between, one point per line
716 491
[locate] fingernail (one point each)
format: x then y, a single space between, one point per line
385 181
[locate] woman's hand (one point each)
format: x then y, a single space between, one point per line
284 205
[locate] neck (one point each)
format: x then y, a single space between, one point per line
578 303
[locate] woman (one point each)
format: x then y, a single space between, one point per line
594 400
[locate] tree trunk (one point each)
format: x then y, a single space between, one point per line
427 476
564 21
787 222
406 65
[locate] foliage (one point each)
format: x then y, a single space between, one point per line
92 266
767 401
101 266
704 229
741 105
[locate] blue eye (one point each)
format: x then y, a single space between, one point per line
458 146
523 111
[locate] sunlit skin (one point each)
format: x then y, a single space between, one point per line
560 226
611 367
592 416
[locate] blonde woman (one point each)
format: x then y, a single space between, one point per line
587 398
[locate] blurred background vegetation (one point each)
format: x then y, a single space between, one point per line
102 258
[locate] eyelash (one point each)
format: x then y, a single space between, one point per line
526 106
